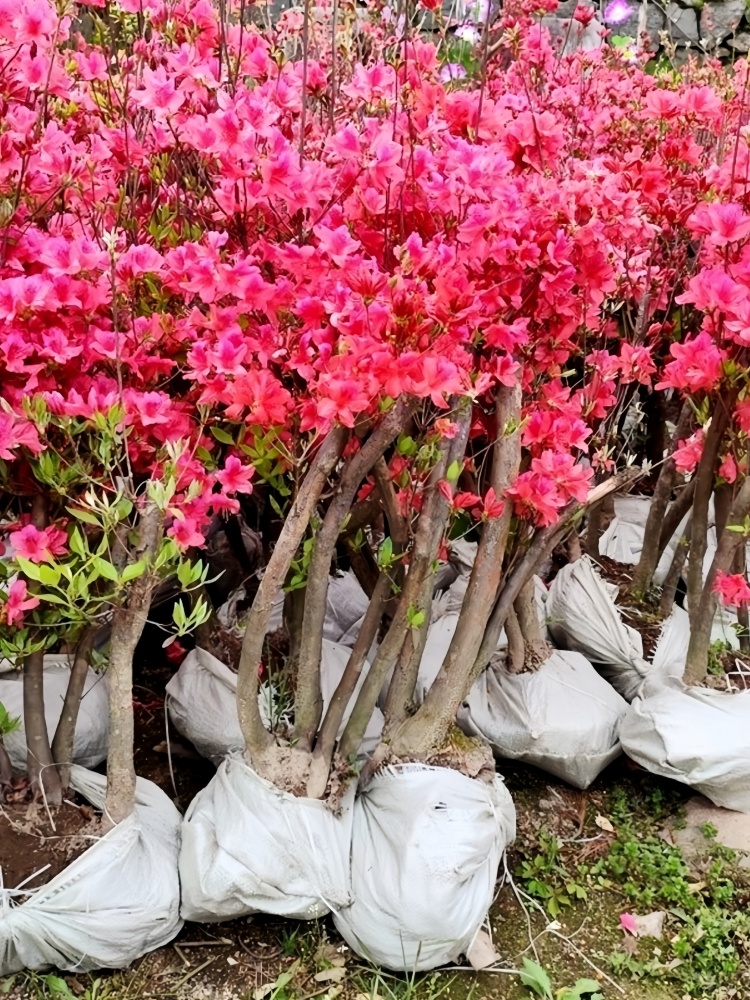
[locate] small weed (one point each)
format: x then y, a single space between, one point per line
709 935
535 979
716 652
379 985
545 878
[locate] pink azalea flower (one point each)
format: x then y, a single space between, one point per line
39 545
18 602
235 477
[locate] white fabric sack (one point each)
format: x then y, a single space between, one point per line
112 905
202 701
426 845
563 718
332 665
248 847
445 614
693 735
202 705
671 649
623 539
92 726
582 616
346 603
227 613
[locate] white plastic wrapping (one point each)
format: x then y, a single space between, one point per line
445 614
426 845
693 735
248 847
563 718
202 701
112 905
346 604
623 538
92 726
671 649
582 616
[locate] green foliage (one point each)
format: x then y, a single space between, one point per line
546 879
535 978
708 941
8 724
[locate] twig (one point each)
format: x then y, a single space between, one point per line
195 971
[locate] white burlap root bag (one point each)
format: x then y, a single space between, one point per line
446 609
346 604
563 718
426 846
92 727
249 847
623 538
693 735
109 907
582 616
202 701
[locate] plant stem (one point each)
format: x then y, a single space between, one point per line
643 574
64 739
430 530
308 703
257 739
128 622
702 621
484 580
674 515
40 767
704 481
516 651
669 588
323 754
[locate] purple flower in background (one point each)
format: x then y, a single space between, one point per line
617 11
452 71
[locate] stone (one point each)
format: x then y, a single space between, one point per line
740 42
631 25
573 36
682 23
719 20
733 828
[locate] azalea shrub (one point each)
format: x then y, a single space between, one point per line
313 269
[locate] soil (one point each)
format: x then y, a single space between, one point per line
643 616
29 841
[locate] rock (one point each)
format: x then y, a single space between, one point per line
720 19
651 925
740 42
682 23
733 828
573 36
631 24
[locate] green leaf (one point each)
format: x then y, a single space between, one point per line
132 571
385 553
83 515
536 979
222 436
28 569
77 544
53 599
49 575
106 569
454 471
58 988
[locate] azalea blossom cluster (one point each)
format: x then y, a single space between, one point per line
215 242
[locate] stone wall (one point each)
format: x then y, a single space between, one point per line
694 27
